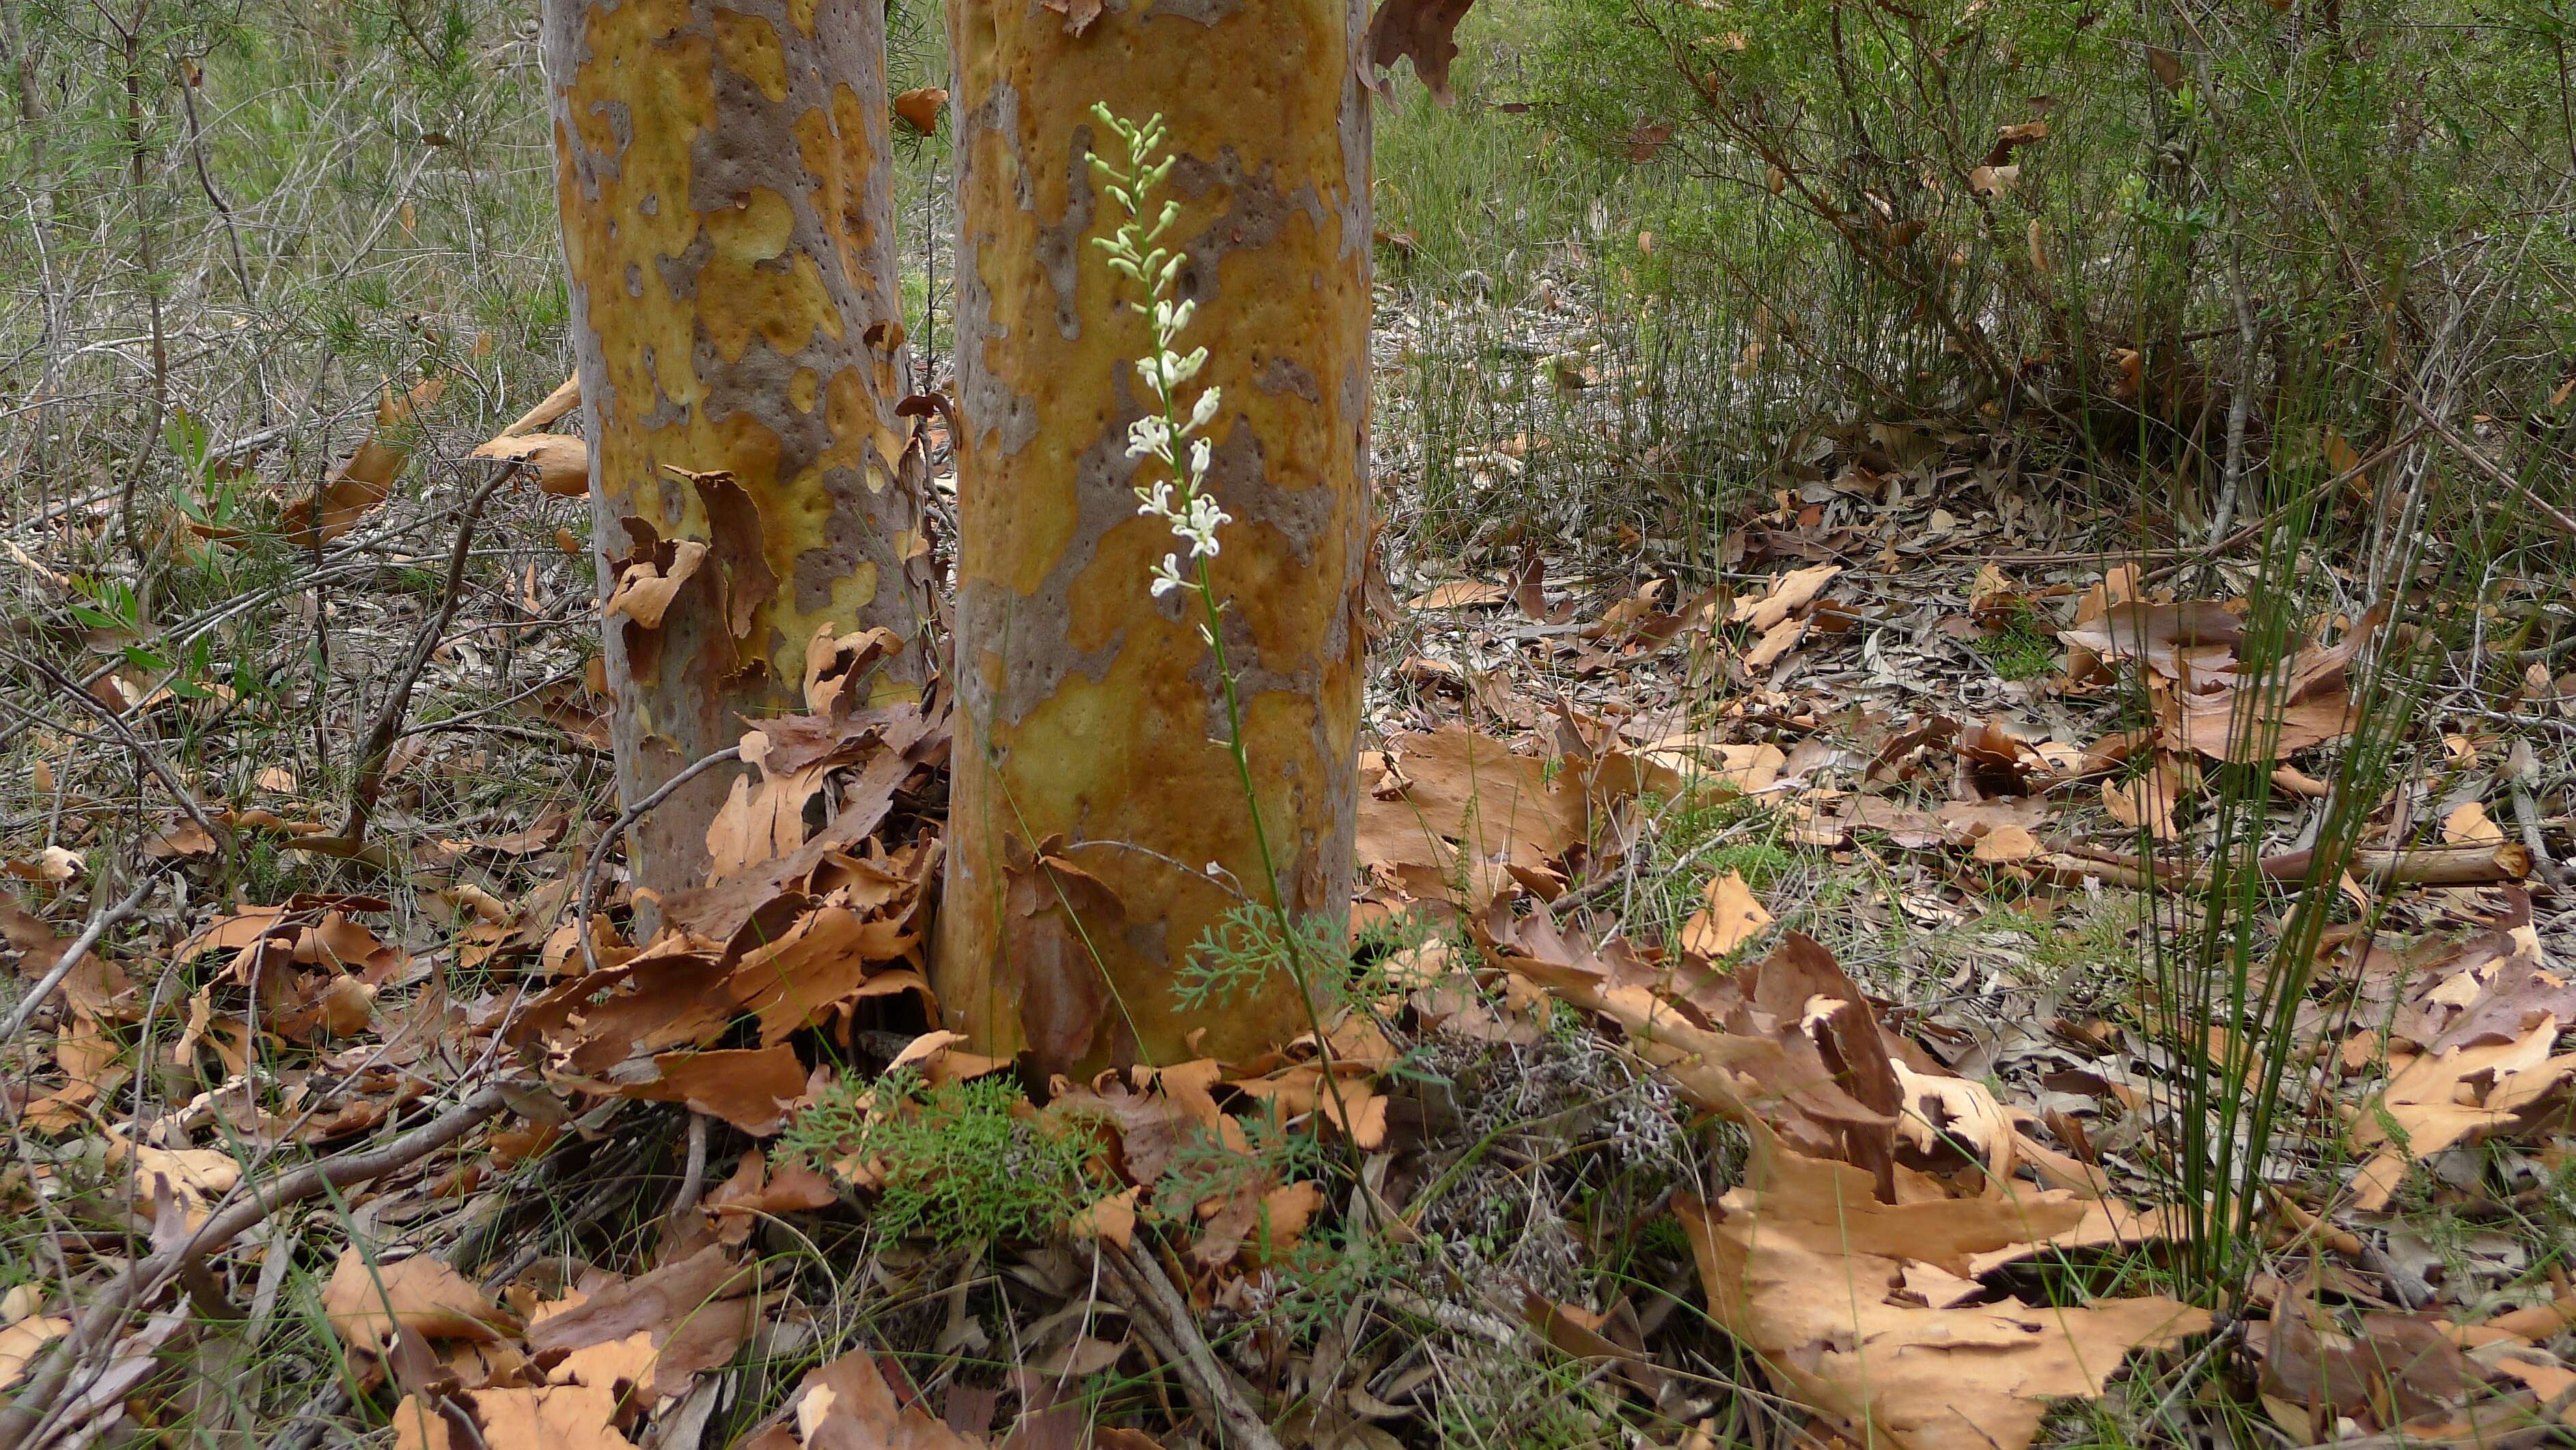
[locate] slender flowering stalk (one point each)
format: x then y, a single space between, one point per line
1171 435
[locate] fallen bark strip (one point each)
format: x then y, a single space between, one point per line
25 1421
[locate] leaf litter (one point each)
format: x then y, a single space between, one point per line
1662 885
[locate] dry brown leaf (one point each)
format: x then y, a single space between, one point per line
561 462
757 1189
1956 1113
364 1302
919 108
1421 31
2440 1099
697 1313
2006 843
2467 824
2191 641
1112 1219
421 1424
2304 702
367 478
189 1177
1730 918
829 960
847 1405
553 407
1611 1336
1051 908
1464 788
2146 802
1704 762
749 1087
620 1366
20 1342
52 865
549 1417
1461 594
1787 595
1775 642
2495 987
2395 1364
1804 1265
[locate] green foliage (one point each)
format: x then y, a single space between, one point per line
1238 955
962 1163
1701 836
2125 219
2024 649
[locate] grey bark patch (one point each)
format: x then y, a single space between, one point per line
1256 213
1359 236
847 538
1060 247
1205 12
1282 374
1037 665
995 415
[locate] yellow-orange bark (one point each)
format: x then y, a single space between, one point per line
722 174
1089 713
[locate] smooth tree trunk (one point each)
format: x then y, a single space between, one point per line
723 176
1093 785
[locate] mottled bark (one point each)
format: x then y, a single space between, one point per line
1090 713
723 178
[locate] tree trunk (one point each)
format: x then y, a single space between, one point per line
1093 783
722 171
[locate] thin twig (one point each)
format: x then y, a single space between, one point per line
693 1173
1156 1304
372 755
607 838
151 759
2488 466
99 922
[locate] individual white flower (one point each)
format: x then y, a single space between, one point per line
1204 410
1149 434
1167 576
1156 501
1200 453
1201 524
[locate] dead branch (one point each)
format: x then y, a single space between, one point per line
1157 1309
26 1420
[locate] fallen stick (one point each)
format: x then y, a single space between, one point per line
2481 864
1158 1308
588 901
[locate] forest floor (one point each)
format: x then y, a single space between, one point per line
1854 946
1783 1000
